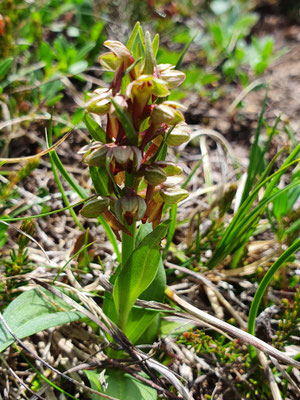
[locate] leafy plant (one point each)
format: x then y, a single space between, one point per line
132 181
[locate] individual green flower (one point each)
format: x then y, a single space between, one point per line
167 112
179 135
171 76
173 195
154 175
169 168
140 90
119 54
100 101
119 156
130 205
94 207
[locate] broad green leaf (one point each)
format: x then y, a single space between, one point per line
127 123
138 272
34 311
217 34
143 231
51 102
96 131
245 23
139 321
268 48
120 386
5 66
133 35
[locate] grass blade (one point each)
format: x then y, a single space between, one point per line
265 283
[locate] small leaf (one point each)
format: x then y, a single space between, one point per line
280 204
155 45
126 121
34 311
149 59
96 131
142 37
100 180
133 35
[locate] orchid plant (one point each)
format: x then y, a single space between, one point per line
126 157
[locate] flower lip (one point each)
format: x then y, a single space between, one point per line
147 83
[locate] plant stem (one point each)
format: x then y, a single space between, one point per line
128 242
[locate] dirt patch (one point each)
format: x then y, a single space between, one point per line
282 78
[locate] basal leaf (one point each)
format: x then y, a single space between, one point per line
141 321
34 311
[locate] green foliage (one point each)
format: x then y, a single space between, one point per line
43 310
138 272
47 52
230 358
120 385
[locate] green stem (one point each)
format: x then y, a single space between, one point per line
128 242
